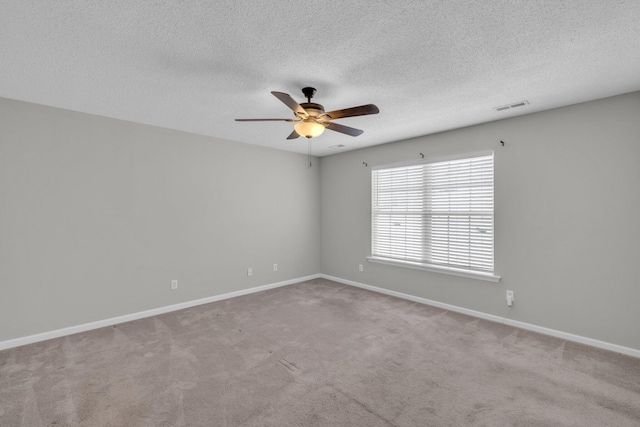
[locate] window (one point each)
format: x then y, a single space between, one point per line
436 214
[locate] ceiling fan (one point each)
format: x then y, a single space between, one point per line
311 119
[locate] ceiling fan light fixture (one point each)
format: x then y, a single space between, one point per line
310 118
309 128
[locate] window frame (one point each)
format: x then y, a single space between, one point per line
438 268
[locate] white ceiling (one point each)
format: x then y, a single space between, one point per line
429 66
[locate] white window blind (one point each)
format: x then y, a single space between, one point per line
436 213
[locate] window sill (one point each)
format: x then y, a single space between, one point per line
437 269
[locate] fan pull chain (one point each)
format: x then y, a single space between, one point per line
309 152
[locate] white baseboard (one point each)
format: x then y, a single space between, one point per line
161 310
30 339
522 325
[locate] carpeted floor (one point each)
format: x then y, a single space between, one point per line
316 353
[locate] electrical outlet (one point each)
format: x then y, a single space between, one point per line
275 267
510 298
249 272
360 267
174 284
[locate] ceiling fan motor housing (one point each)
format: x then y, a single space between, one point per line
312 109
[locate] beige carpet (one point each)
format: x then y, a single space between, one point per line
316 353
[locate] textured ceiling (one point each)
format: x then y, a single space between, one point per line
429 66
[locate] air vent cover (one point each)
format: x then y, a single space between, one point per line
510 106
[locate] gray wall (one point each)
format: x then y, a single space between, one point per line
98 215
567 191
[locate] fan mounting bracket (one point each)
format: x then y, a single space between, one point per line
308 92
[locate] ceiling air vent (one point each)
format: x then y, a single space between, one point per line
510 106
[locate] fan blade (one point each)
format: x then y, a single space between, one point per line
289 102
293 135
343 129
266 120
362 110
